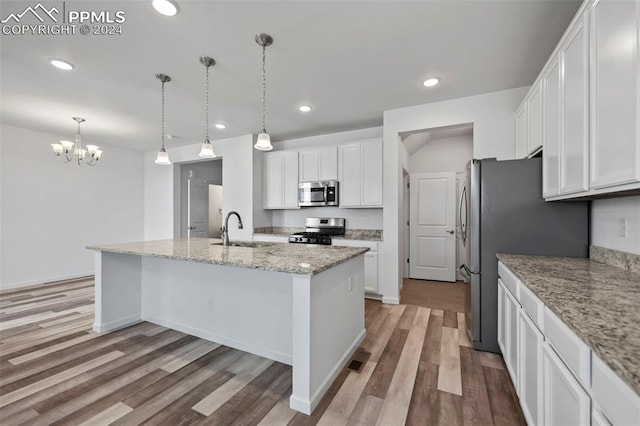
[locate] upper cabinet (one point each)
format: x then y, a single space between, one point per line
585 105
360 174
281 180
319 164
534 127
521 131
615 79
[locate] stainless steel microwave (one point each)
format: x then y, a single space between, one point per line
323 193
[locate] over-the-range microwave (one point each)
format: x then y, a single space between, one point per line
324 193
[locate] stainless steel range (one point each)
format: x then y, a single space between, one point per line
319 230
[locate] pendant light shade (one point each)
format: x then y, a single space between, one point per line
263 143
163 158
163 155
206 150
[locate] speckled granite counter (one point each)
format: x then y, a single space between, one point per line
350 234
306 259
597 301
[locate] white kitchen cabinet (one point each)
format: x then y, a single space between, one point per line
371 266
615 81
521 131
511 336
619 403
551 129
598 419
530 369
360 174
574 152
565 402
535 120
371 271
319 164
501 317
281 180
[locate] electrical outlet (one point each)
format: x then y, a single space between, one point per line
622 227
210 304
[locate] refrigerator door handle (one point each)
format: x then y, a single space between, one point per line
466 271
463 220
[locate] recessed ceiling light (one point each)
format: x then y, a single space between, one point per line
60 64
430 82
166 7
305 108
221 126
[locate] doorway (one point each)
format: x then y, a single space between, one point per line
201 198
433 154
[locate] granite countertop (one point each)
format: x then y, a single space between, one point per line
598 302
304 259
350 234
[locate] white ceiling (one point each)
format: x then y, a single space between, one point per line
350 60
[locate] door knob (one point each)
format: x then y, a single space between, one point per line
191 228
450 232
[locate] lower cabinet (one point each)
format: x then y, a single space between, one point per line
370 261
511 336
558 378
565 402
371 271
530 369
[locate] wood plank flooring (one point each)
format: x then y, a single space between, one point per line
418 369
434 294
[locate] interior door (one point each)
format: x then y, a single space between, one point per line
432 226
197 208
215 211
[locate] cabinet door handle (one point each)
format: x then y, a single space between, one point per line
450 232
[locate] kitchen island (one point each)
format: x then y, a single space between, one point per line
299 304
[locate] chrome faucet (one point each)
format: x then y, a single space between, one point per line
225 228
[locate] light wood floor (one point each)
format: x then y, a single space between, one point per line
418 370
433 294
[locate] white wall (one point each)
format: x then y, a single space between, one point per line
442 155
605 223
160 212
493 119
50 211
355 218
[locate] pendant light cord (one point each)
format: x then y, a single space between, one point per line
207 107
264 90
163 115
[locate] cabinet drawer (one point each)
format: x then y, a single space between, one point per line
532 306
575 354
509 279
618 401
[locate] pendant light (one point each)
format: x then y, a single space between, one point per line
263 143
163 155
206 151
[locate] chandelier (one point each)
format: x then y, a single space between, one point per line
89 156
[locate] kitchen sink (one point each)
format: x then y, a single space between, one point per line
249 244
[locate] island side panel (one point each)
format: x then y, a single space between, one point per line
247 309
328 327
117 291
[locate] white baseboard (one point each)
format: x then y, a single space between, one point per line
116 325
40 281
305 406
391 300
236 344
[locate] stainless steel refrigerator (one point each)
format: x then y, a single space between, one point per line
504 212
